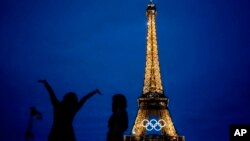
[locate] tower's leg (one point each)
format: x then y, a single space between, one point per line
138 129
168 128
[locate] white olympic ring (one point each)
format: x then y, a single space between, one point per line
153 124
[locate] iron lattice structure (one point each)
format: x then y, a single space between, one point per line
153 102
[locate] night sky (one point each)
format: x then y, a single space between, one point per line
81 45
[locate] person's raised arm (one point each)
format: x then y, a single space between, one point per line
86 97
52 95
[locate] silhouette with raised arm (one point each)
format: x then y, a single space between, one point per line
118 121
64 112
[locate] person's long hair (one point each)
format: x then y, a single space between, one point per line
119 101
70 101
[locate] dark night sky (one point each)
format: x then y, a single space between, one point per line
204 50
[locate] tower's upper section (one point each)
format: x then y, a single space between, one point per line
152 79
151 9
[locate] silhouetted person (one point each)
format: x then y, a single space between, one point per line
64 112
118 121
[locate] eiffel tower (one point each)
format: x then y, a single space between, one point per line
153 113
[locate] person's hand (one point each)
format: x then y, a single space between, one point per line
42 81
98 92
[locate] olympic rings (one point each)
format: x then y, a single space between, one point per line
153 124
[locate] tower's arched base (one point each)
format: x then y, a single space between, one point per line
154 138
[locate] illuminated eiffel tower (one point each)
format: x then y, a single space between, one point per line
153 113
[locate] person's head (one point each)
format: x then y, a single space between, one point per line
70 99
119 101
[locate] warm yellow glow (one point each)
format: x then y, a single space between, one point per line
153 103
152 78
